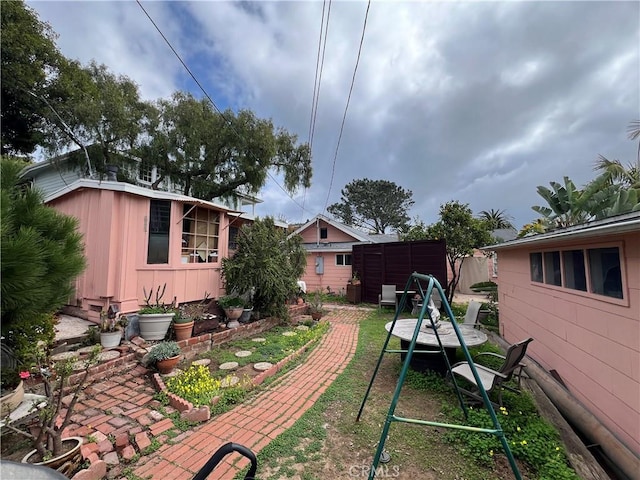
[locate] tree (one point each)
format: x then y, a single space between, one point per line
374 205
462 234
212 154
496 219
30 60
267 262
41 254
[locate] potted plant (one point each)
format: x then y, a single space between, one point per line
112 324
155 319
315 306
191 314
50 448
233 306
165 355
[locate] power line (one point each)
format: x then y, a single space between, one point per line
207 95
316 84
344 116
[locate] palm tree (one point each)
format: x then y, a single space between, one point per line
496 219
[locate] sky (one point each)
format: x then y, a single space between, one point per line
478 102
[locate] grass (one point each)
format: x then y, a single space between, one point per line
327 442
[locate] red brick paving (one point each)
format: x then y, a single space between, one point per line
125 400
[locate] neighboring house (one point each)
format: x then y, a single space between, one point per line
576 291
136 238
329 248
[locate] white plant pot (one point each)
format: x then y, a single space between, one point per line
110 339
154 326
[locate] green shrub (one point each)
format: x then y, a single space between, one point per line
195 385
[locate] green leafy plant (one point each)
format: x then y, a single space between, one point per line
231 301
195 385
315 303
112 324
158 306
164 350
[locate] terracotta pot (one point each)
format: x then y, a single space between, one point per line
183 330
167 365
10 401
66 462
316 315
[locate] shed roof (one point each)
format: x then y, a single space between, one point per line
629 222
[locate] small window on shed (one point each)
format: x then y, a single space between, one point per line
552 275
323 232
574 272
535 261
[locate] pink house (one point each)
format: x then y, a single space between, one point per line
576 291
137 238
329 244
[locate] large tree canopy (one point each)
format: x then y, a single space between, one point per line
30 60
461 233
212 154
375 205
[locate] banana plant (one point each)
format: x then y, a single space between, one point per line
566 204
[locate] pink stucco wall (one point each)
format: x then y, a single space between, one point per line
334 276
114 225
592 341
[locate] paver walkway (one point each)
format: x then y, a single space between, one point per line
124 419
270 413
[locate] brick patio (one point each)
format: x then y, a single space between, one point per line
123 418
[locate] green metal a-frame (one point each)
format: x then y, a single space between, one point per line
415 282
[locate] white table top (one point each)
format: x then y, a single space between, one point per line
404 330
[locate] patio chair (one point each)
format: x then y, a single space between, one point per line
494 380
388 297
471 317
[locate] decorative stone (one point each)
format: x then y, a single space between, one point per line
243 353
64 356
173 373
289 333
259 339
229 365
302 328
229 381
202 361
108 355
262 366
85 350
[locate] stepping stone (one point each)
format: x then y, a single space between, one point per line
229 381
302 328
173 373
289 334
259 339
202 361
229 365
108 355
243 353
262 366
64 356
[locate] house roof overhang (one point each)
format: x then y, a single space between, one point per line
356 234
85 183
337 247
626 223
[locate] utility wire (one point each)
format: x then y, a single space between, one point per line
346 108
207 95
316 85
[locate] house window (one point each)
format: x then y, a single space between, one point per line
145 172
535 261
574 271
159 221
233 235
494 264
343 259
593 270
323 233
200 234
604 271
552 275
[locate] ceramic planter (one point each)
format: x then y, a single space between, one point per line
183 330
66 460
110 339
167 365
246 315
154 326
10 401
233 314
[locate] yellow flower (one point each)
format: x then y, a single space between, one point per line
491 452
557 448
523 442
519 428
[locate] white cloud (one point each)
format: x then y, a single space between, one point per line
474 101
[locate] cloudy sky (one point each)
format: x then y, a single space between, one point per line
478 101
